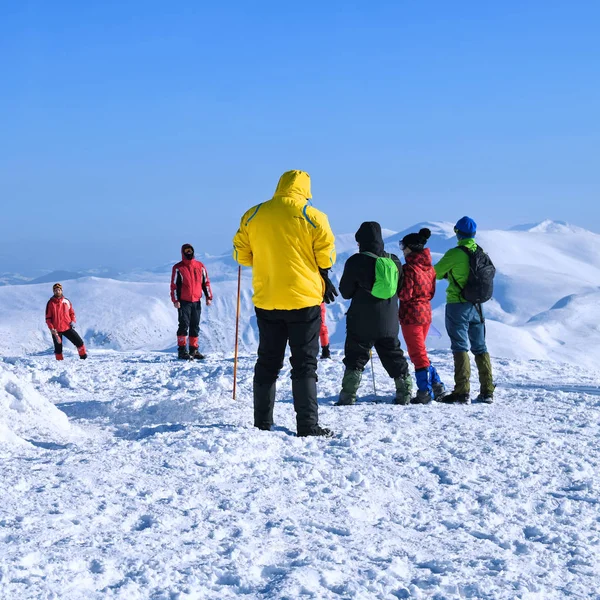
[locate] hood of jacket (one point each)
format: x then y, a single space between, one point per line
294 184
183 256
369 238
420 259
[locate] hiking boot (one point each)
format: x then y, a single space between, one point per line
484 370
422 397
83 356
437 387
264 402
454 398
325 352
485 398
346 399
182 353
462 373
316 431
425 392
195 353
403 390
350 385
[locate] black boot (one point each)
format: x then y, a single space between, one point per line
325 352
182 353
306 406
195 353
264 401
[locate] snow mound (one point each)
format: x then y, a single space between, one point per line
25 413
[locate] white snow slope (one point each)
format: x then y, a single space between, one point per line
158 487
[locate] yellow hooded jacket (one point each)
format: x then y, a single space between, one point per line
285 241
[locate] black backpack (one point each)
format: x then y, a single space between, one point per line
480 284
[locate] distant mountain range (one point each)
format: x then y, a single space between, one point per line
544 306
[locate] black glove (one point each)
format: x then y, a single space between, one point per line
330 291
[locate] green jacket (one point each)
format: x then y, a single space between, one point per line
454 265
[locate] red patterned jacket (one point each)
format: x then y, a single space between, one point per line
418 289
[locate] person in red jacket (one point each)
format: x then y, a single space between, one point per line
415 313
324 333
188 280
60 318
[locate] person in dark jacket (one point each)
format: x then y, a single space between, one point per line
415 313
189 280
371 321
60 318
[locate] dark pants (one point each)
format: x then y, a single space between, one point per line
301 329
71 335
357 352
189 318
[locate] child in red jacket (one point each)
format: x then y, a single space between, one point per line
415 313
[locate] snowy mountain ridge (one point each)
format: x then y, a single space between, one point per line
538 266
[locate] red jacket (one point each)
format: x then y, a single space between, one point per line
59 313
418 289
188 280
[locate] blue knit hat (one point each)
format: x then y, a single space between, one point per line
465 228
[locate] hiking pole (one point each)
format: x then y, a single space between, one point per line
373 372
237 329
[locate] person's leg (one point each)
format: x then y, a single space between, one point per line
58 347
457 326
303 329
356 355
414 336
394 362
482 357
76 340
195 312
184 315
272 333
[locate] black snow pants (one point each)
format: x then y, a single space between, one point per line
357 353
276 328
71 335
189 318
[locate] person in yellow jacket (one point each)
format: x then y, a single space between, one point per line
290 247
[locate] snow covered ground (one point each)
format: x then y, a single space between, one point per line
134 476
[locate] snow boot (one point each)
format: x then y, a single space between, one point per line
59 356
82 352
264 402
462 373
486 382
454 398
325 352
424 391
195 353
182 353
350 385
306 405
438 388
403 390
317 431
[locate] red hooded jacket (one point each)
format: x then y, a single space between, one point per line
418 289
59 313
188 280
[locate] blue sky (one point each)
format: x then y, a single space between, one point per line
131 127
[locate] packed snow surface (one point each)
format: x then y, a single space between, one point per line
136 476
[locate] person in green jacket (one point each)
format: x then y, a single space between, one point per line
464 320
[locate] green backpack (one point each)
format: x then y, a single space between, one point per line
386 277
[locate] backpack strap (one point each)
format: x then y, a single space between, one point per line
385 255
